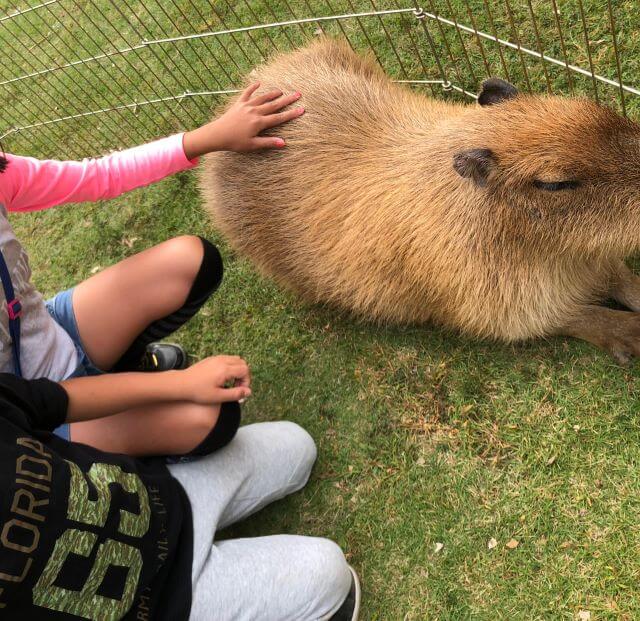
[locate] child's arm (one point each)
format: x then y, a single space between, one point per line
204 382
29 184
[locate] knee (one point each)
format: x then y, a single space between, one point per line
212 437
203 418
187 249
301 450
187 246
329 575
185 253
196 424
196 265
199 261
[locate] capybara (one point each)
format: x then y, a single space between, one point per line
510 219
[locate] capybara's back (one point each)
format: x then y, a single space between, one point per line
503 220
330 216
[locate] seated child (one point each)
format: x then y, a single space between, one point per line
86 534
108 322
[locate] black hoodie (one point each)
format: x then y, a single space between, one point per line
84 534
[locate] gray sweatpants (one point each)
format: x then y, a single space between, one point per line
277 578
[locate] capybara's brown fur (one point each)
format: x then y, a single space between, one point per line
508 220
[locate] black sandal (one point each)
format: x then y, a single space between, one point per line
163 357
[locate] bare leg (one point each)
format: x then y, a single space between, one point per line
169 429
117 304
615 331
626 288
112 308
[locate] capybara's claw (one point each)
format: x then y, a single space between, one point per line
622 357
615 331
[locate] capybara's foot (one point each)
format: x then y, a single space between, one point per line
615 331
625 288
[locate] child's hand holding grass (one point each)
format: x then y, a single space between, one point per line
239 128
216 379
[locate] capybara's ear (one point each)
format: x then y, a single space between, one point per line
475 164
495 90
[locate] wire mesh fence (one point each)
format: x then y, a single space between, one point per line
81 77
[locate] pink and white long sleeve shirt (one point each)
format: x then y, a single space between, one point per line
28 184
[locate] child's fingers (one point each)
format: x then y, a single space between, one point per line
232 394
267 142
229 359
282 117
266 97
278 104
250 90
244 379
236 372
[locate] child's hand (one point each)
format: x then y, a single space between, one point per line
238 129
205 382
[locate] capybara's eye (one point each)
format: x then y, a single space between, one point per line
554 186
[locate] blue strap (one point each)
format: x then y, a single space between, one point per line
14 309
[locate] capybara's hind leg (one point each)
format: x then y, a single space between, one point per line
625 288
615 331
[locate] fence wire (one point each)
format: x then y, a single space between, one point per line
81 77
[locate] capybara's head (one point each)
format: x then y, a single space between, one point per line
566 167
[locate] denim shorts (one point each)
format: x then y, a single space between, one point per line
60 307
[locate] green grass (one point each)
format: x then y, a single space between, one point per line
425 437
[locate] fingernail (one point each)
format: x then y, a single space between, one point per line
298 94
280 142
301 110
